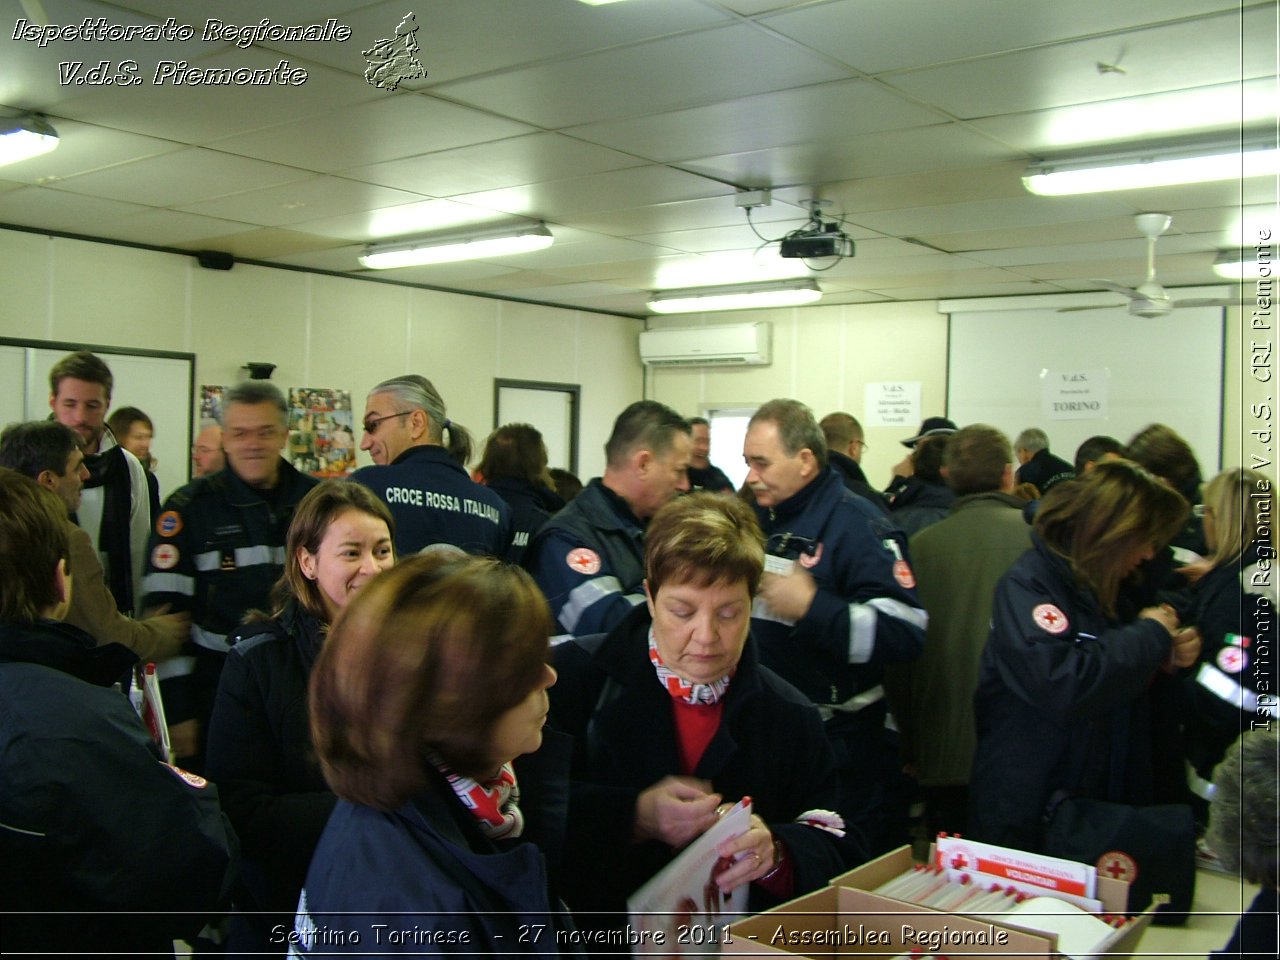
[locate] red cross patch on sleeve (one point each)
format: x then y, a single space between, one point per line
583 561
1050 619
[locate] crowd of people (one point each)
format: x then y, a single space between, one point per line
498 703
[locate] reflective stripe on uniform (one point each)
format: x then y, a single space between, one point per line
169 583
259 555
916 616
853 704
175 667
1224 688
216 642
760 611
244 556
1198 785
862 632
583 596
862 623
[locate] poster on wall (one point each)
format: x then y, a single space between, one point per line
211 403
322 440
894 404
1074 394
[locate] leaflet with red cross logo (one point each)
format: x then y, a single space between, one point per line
1029 872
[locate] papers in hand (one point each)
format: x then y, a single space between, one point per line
684 893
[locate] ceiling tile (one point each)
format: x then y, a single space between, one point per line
214 111
403 220
1154 60
480 36
504 163
1221 107
882 35
56 210
939 147
270 243
83 147
181 177
581 196
397 125
665 74
291 203
168 228
767 120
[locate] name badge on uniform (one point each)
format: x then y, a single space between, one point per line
228 560
779 565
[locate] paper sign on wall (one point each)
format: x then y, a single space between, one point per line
1074 394
894 404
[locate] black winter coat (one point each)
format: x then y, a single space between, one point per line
770 746
94 819
1060 702
531 507
261 756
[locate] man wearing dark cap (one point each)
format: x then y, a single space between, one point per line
905 469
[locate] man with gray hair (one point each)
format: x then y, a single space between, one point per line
589 558
1039 466
420 458
958 561
216 550
837 602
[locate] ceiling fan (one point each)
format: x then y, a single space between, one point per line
1148 299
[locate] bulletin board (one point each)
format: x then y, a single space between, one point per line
1079 374
159 383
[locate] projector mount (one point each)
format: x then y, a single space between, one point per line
817 239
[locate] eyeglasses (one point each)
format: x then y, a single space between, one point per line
371 425
863 444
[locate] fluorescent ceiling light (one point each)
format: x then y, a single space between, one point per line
449 248
24 137
1251 264
779 293
1153 168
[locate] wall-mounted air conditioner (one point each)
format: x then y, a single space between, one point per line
739 344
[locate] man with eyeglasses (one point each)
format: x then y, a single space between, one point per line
845 447
217 549
837 602
419 472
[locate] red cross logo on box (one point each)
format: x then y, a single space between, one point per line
1118 865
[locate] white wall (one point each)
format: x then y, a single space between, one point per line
326 331
320 331
823 356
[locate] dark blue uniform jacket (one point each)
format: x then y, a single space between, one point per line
1060 702
434 501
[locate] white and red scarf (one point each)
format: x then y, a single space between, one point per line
494 803
691 693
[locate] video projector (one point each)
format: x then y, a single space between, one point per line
819 241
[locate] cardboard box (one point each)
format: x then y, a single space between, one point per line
844 921
847 919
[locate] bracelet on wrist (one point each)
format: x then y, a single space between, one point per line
778 850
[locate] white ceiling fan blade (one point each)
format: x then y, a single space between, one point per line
1100 306
1120 288
1206 302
